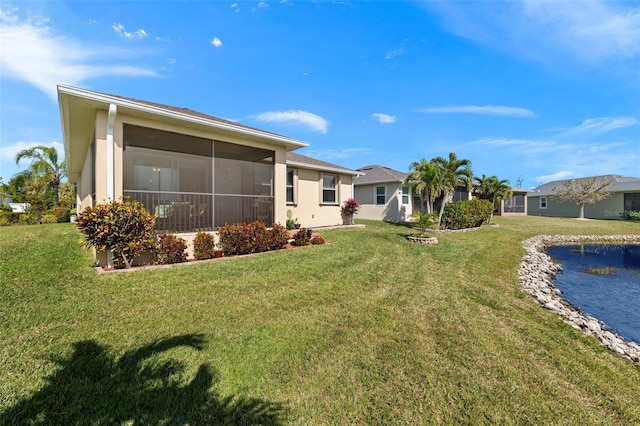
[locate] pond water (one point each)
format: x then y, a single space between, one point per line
604 281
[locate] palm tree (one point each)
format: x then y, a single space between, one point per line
452 172
424 178
45 170
492 189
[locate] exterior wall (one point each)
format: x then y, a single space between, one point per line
611 208
309 209
391 211
84 185
121 119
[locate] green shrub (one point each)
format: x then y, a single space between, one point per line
425 221
204 246
466 214
291 224
5 209
302 237
8 218
48 218
124 227
631 214
170 249
61 213
26 218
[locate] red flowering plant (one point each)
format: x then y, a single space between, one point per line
350 208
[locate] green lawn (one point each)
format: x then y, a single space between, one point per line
368 329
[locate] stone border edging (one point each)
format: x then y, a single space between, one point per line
537 271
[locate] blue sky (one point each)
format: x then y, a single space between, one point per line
529 91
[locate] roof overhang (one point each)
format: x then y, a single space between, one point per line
78 108
324 168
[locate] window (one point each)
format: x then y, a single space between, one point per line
405 195
632 201
290 190
381 195
329 189
543 202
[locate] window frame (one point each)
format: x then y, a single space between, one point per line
293 186
323 200
543 203
403 195
376 195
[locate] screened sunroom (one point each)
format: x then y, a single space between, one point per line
190 183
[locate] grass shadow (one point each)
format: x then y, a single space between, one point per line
92 387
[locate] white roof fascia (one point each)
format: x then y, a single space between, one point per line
380 181
322 168
124 103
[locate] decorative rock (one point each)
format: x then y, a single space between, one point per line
537 271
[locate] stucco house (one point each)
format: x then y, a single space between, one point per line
382 194
625 196
191 170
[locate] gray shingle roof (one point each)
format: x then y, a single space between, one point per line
378 174
620 184
304 161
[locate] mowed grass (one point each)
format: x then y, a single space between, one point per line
368 329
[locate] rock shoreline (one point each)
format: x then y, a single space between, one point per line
538 270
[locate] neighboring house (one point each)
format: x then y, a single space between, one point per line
5 199
382 194
316 190
192 171
626 196
516 205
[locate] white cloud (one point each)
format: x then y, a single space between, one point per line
564 174
504 111
216 42
92 22
548 31
34 54
394 53
171 61
295 117
512 142
8 153
384 118
120 30
604 124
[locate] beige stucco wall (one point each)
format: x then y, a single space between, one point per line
309 209
121 119
84 196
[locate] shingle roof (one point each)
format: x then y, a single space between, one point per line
620 184
304 161
188 111
378 174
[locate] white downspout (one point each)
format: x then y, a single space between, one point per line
111 119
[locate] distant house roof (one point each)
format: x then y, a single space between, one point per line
620 184
378 174
303 161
